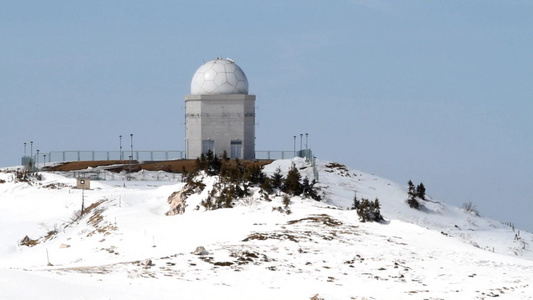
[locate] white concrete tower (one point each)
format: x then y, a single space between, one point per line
219 113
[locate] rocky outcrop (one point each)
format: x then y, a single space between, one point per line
177 203
200 250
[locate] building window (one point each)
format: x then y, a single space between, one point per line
236 149
208 145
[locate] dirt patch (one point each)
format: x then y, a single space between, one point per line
338 168
171 166
323 218
96 219
174 166
266 236
80 165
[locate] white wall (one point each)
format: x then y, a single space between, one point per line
221 118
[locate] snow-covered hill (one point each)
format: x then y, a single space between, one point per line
125 247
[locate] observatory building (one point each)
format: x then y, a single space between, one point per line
219 113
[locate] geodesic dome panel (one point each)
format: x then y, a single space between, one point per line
219 76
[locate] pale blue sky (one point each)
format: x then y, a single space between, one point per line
433 91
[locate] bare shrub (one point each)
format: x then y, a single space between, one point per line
76 215
28 242
470 208
286 201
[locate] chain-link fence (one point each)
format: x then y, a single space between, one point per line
156 155
79 155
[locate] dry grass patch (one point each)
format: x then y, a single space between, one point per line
322 218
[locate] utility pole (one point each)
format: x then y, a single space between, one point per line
120 155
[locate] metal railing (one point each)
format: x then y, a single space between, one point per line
279 154
155 155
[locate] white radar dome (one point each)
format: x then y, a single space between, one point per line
219 76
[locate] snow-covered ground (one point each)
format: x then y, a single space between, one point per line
125 247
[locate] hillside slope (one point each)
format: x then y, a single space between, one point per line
125 247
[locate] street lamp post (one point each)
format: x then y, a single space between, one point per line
31 155
37 157
131 144
294 146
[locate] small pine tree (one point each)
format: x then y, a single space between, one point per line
412 190
413 203
421 191
209 155
225 156
254 174
232 171
277 179
208 202
361 210
213 164
229 195
266 186
377 210
241 191
356 202
308 189
292 184
185 176
369 211
200 163
412 194
240 169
